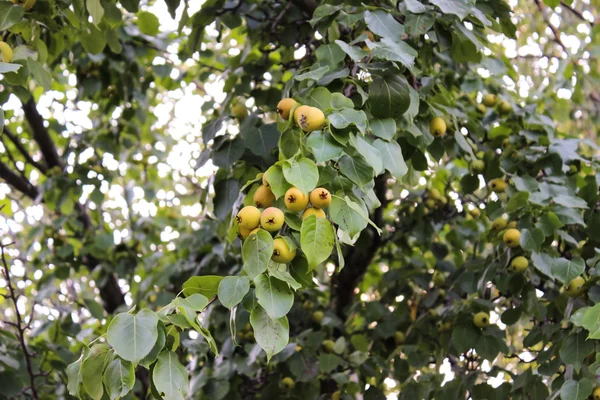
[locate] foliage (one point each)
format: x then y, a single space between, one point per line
131 139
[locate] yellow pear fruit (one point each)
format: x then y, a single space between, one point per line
318 316
481 108
284 107
434 194
328 345
437 127
399 338
239 110
511 238
512 224
243 233
320 198
505 107
481 319
498 185
295 200
438 278
337 395
264 180
264 197
272 219
319 213
281 251
287 384
309 118
575 287
596 393
519 264
477 166
248 217
499 224
6 51
489 100
475 212
28 4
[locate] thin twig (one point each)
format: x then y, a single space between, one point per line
578 14
554 30
19 324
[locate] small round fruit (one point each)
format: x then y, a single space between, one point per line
438 278
477 166
264 180
437 127
281 251
519 264
498 185
308 305
434 194
243 233
313 211
240 111
272 219
248 217
475 212
481 108
511 238
287 384
28 4
480 155
489 100
337 395
504 107
254 231
430 203
575 287
318 316
499 224
399 338
6 51
481 319
320 198
284 107
512 224
506 143
295 200
309 118
328 345
596 393
264 197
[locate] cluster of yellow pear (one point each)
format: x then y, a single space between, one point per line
250 218
435 198
308 118
490 100
246 332
508 231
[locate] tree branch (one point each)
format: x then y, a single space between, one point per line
360 256
19 183
576 13
24 151
41 135
19 325
554 30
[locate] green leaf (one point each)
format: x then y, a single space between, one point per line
300 271
324 146
148 23
313 75
357 169
465 336
92 39
339 101
383 24
346 217
383 128
389 97
417 25
328 362
119 378
133 336
487 347
41 76
517 201
370 153
543 263
566 270
319 97
226 194
591 321
301 173
10 15
170 377
256 253
346 117
355 52
262 140
280 272
156 349
92 368
330 54
460 8
574 390
7 67
74 374
232 290
277 181
273 295
271 336
575 348
317 240
462 143
532 240
228 153
207 285
393 160
391 50
95 9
